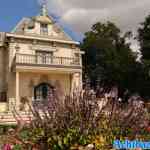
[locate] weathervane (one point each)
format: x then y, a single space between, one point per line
44 11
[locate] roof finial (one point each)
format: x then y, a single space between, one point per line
44 11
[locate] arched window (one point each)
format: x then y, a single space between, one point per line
41 91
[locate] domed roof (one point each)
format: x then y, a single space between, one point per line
43 17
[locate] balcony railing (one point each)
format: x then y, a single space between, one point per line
46 60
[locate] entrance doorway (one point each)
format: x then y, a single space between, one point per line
42 91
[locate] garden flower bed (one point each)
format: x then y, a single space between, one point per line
78 122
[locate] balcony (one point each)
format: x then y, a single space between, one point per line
46 61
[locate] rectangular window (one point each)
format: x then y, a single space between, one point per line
77 59
44 57
3 97
44 29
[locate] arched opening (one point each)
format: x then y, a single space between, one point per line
41 91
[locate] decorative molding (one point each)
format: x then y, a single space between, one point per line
79 52
54 44
34 42
46 39
17 47
50 66
21 41
73 46
12 40
43 48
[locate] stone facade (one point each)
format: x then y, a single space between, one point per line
37 51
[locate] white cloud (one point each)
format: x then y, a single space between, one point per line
81 14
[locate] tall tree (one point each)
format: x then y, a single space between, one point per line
144 40
108 56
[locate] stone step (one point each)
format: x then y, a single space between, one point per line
8 118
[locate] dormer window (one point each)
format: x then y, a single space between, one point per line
44 29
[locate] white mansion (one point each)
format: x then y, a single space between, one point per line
35 56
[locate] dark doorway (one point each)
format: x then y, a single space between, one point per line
41 91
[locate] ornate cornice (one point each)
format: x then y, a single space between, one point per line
43 48
39 38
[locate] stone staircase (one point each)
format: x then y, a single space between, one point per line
9 118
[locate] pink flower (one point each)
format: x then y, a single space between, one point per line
7 147
148 129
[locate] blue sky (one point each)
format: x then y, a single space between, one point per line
79 15
12 11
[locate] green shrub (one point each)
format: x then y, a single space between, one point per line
17 147
4 128
78 120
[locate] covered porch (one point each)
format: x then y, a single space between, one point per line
35 86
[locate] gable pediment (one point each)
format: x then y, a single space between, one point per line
43 48
32 26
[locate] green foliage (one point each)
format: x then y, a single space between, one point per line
17 147
5 128
37 134
79 122
108 57
25 135
144 40
62 140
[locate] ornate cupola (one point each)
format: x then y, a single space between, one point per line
42 25
43 17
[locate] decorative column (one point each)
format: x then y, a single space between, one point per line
80 81
77 81
17 91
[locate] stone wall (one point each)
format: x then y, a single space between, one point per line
3 77
3 68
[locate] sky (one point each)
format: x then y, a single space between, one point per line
11 11
78 15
